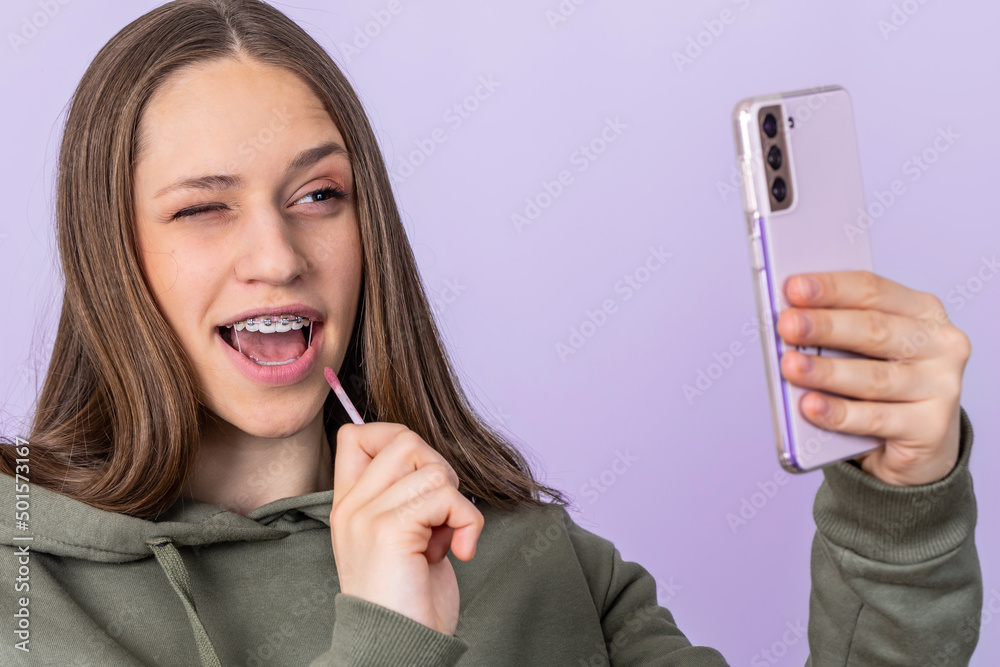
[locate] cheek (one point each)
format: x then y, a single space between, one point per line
180 278
163 271
337 261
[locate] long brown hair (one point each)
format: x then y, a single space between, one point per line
118 419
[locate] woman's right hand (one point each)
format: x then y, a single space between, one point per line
396 512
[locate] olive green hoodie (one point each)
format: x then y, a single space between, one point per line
896 581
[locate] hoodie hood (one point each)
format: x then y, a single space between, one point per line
62 526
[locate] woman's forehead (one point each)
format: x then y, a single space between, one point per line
232 108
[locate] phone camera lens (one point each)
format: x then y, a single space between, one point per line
778 189
770 125
774 157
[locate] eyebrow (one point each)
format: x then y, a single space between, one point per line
306 158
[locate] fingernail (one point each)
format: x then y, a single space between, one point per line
805 325
823 407
805 363
808 288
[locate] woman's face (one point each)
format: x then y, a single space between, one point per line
238 214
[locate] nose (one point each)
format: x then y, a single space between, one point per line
269 250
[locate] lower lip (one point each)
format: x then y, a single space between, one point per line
277 376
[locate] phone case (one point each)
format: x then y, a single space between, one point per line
810 230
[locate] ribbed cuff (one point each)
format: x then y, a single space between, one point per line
365 633
898 524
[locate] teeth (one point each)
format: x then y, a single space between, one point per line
271 323
272 363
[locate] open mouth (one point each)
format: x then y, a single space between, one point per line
269 341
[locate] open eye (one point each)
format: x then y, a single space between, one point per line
324 194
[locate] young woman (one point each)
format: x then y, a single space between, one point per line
197 495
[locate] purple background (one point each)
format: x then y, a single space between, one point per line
507 297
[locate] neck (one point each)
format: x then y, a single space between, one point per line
241 472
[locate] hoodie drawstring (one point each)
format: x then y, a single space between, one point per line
170 560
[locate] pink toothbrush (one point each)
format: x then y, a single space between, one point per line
338 389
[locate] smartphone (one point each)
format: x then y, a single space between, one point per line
802 197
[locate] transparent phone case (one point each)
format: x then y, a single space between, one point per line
816 232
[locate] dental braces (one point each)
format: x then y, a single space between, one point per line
268 321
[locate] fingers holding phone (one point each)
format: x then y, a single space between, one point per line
908 392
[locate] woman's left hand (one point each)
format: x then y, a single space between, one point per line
908 394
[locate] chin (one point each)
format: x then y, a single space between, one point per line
272 417
271 430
